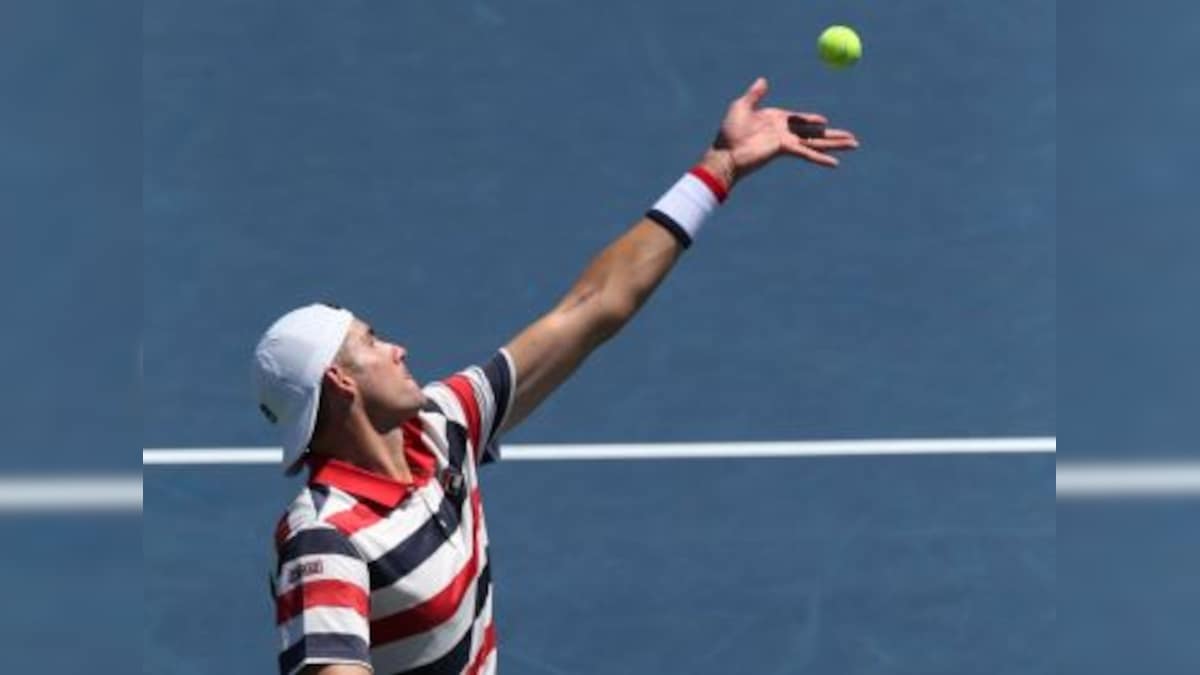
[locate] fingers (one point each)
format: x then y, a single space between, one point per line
803 129
818 136
755 93
812 149
811 154
820 158
838 133
810 118
844 143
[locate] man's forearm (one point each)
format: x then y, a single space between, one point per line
621 278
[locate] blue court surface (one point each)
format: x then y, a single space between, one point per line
909 565
447 169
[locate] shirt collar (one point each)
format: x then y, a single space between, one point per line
358 482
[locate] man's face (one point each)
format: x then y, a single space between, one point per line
387 388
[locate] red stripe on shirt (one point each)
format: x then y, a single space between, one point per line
282 531
320 593
360 516
421 461
438 609
485 648
462 389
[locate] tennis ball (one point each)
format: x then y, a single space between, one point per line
839 46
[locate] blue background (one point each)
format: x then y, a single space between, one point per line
70 282
1128 362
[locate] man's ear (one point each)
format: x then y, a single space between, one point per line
337 379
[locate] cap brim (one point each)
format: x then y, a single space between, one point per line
297 436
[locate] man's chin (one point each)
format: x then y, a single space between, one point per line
420 400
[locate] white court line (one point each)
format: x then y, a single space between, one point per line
81 494
194 456
1092 480
1073 480
765 449
1078 480
612 451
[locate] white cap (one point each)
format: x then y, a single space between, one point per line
289 364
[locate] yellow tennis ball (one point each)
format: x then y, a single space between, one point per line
839 46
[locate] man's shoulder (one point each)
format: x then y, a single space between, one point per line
497 372
309 511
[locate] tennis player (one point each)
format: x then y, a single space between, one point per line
382 559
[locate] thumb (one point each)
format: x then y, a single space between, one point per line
755 93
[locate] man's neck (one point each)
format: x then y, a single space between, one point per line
360 444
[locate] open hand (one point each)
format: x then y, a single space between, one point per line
753 136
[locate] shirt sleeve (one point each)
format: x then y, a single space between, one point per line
322 594
479 398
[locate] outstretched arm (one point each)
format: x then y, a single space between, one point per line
619 280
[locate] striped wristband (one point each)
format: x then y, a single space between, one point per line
685 207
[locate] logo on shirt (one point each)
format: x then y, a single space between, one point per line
452 482
305 569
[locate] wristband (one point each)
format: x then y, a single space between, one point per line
683 209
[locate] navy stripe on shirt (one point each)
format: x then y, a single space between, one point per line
497 372
456 441
326 646
457 658
406 556
315 541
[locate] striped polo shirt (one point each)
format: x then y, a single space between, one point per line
395 575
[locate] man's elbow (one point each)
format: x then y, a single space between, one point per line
602 314
611 316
